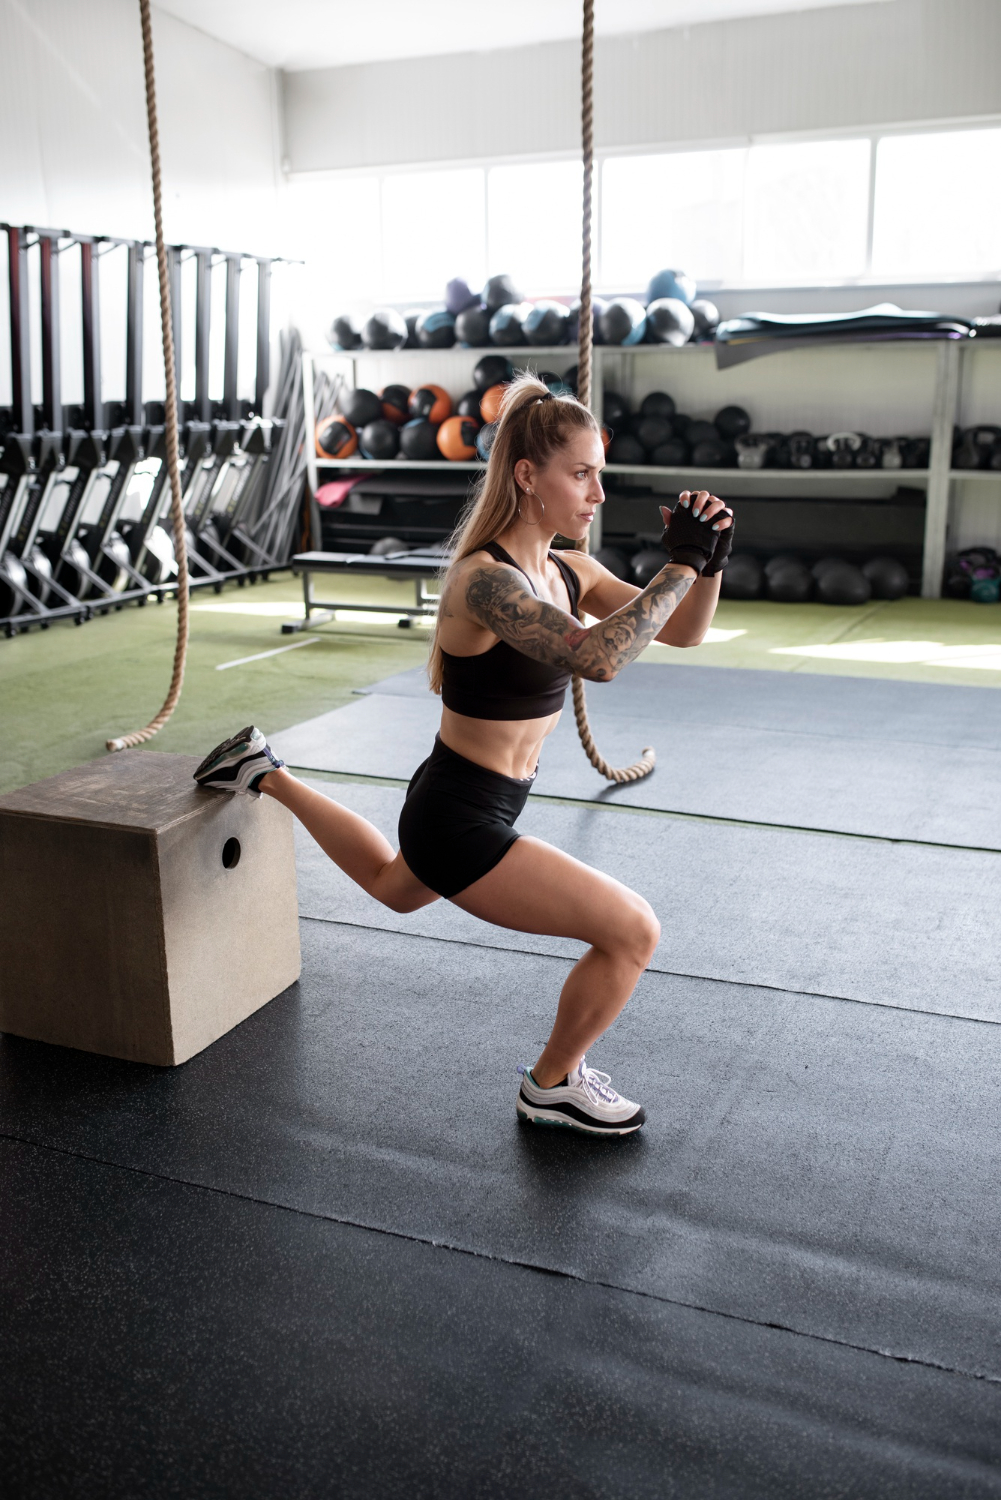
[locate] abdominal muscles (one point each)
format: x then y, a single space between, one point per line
509 746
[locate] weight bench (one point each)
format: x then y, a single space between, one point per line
415 567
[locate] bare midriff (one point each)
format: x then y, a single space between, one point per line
510 747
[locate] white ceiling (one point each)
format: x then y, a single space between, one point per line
300 34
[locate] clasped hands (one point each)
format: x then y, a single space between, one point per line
698 532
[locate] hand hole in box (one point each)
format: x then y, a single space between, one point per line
231 853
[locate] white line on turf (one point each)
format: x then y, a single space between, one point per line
241 661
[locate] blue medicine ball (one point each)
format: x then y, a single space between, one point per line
485 440
623 321
547 323
507 326
436 329
671 284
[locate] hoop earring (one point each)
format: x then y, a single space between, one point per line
542 510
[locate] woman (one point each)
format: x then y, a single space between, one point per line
507 638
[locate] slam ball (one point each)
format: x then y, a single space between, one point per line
732 422
492 369
430 402
380 439
706 315
647 564
547 323
335 439
360 406
614 409
436 329
344 333
653 431
669 321
674 284
657 404
843 584
787 582
626 449
507 326
623 321
824 566
671 455
418 439
742 577
499 292
458 296
395 403
385 329
472 327
887 577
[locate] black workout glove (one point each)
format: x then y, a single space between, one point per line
724 542
688 540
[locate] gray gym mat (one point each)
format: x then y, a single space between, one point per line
825 1167
901 789
269 1353
883 923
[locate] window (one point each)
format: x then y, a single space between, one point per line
938 211
682 209
534 225
432 229
806 211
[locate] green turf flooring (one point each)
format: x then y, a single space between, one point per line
64 691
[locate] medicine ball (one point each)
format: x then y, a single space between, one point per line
706 315
458 296
485 440
570 378
395 403
669 321
386 546
732 422
472 327
385 329
500 291
469 405
507 326
709 454
555 383
742 577
623 321
360 407
699 432
606 439
430 402
547 323
782 560
614 409
675 284
335 438
493 369
647 564
653 431
843 584
573 329
380 439
671 455
616 562
682 423
410 318
824 566
457 438
887 576
657 404
626 449
436 329
490 402
344 333
418 439
787 583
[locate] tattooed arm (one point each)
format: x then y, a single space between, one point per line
496 599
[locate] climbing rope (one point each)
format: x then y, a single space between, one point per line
645 764
170 419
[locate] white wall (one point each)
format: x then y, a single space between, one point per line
849 66
74 150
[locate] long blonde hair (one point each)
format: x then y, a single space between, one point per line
532 424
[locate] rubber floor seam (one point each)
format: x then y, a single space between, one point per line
524 1265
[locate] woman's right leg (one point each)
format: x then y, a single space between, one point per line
353 844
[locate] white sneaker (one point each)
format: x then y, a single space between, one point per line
238 764
586 1101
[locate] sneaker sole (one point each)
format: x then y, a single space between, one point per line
550 1117
221 751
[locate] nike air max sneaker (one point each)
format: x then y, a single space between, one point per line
586 1101
238 764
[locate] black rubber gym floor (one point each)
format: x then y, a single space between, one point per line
322 1258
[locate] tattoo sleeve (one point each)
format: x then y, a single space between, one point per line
496 598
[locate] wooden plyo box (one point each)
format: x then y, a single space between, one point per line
140 916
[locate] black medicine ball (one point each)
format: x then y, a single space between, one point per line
507 326
436 329
616 562
647 564
843 584
469 405
671 455
623 321
653 431
614 409
626 449
547 323
699 432
380 439
788 583
419 439
709 454
706 315
887 577
657 404
493 369
499 291
781 560
824 566
385 329
410 319
742 577
361 407
669 321
395 403
344 333
732 422
573 328
472 327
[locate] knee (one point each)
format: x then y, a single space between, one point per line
639 933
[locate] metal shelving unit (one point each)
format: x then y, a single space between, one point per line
943 408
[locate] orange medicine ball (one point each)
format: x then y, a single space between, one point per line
457 438
606 438
490 402
335 438
430 403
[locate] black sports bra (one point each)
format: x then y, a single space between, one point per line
503 683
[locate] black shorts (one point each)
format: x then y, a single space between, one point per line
458 820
